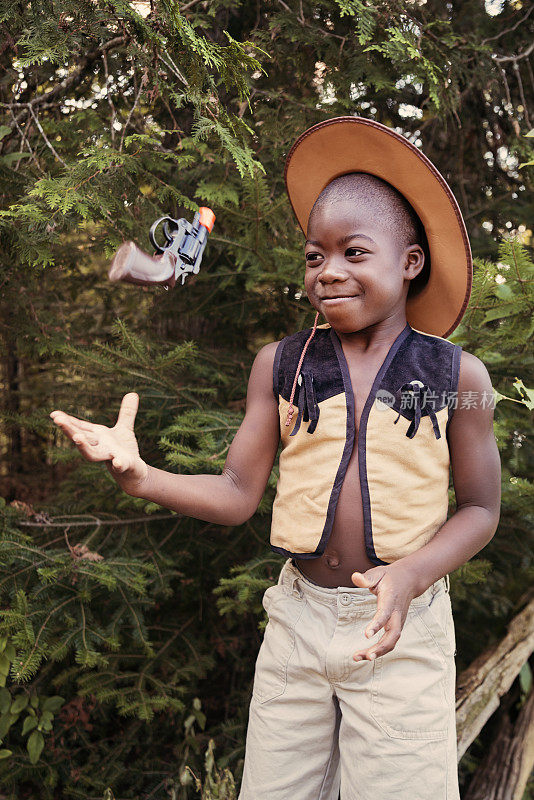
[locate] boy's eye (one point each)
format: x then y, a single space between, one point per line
351 252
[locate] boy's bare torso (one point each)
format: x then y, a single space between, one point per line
345 550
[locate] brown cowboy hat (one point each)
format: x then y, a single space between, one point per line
354 144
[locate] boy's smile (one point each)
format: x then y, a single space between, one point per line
357 272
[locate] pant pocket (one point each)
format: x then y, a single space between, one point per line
437 619
284 612
409 698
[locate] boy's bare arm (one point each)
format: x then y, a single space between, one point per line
233 496
476 473
226 499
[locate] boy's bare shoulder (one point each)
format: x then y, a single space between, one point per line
268 350
264 359
475 460
472 418
473 374
261 373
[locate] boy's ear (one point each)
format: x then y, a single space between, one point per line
413 261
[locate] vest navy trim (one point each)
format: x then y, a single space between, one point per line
361 444
276 366
455 376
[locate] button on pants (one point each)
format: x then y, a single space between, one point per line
322 725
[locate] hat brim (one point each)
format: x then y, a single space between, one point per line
354 144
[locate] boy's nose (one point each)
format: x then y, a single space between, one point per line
333 282
333 270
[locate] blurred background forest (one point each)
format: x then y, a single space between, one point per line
128 634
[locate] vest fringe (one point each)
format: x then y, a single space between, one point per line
418 406
308 407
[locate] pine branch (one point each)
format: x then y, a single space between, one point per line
96 521
75 78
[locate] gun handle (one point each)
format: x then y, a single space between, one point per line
132 265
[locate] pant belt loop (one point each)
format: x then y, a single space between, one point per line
293 582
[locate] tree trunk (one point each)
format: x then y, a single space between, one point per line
504 773
480 687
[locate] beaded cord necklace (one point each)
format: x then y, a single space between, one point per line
290 410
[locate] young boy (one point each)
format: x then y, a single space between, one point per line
354 687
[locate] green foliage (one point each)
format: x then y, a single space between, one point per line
509 300
127 634
218 784
498 328
365 17
198 441
403 42
37 711
242 593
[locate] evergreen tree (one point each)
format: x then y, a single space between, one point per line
128 634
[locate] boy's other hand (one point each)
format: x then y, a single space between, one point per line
117 446
394 588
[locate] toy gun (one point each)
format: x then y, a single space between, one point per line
179 255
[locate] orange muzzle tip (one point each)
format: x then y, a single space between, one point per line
207 217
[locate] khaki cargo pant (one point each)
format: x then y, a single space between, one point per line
321 724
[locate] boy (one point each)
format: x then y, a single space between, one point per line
361 504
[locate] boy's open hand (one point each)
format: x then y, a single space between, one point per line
116 446
394 588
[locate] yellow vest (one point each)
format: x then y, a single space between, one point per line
403 452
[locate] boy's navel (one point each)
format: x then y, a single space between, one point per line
332 560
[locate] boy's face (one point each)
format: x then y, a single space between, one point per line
370 271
